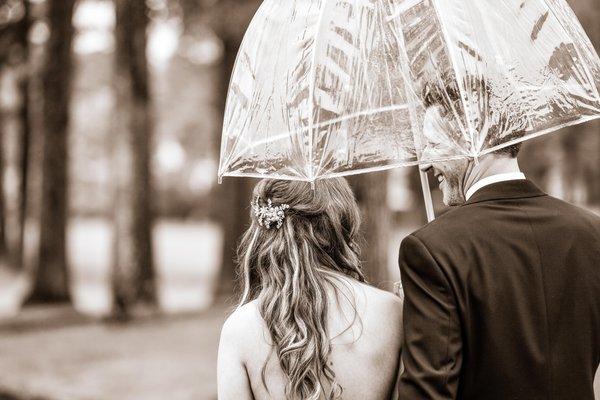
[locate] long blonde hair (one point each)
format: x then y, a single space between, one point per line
289 269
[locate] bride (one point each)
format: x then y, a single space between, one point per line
307 325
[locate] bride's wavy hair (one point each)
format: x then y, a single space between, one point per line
290 269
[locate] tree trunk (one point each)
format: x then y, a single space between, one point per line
13 42
3 245
371 194
5 42
133 277
229 19
419 212
51 281
232 197
581 165
25 127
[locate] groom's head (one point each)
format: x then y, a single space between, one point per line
444 134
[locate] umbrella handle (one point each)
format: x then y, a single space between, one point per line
427 196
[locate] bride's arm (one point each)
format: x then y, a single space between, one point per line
232 377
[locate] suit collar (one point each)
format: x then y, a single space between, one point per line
511 176
515 189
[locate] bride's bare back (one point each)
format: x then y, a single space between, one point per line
304 313
365 347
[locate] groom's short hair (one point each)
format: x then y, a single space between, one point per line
444 91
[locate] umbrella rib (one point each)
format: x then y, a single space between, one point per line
408 89
386 167
446 37
311 91
224 158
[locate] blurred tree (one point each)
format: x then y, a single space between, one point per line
6 38
419 216
371 193
3 246
191 13
10 13
537 158
133 277
592 172
12 20
580 164
22 55
32 172
15 55
229 19
234 194
51 280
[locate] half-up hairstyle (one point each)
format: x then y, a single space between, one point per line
289 270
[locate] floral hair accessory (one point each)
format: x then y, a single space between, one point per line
270 214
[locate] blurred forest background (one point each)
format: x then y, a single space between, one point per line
116 242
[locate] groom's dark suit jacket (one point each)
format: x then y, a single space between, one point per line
502 300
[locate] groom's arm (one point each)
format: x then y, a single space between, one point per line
432 345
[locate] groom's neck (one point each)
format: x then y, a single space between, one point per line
488 165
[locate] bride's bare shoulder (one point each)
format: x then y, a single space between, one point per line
379 297
382 307
246 317
242 325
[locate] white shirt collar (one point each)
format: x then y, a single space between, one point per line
511 176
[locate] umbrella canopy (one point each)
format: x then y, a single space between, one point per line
325 88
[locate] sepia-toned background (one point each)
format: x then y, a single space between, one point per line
116 240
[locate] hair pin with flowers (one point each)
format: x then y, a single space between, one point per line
269 215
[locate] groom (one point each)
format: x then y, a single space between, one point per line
502 294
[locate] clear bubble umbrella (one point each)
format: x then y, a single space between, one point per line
326 88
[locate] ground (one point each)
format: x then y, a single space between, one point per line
68 353
55 354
